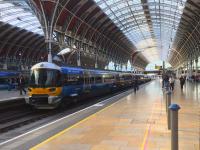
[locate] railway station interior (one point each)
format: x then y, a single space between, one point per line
100 74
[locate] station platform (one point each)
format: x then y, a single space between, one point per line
137 121
126 122
7 96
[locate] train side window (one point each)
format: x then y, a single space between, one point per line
98 79
108 78
80 80
73 79
65 79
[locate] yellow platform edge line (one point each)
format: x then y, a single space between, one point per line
147 130
76 124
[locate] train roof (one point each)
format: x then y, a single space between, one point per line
75 70
71 70
81 70
46 65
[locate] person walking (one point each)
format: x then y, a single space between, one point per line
182 82
171 81
21 84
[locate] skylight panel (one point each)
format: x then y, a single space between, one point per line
19 15
158 23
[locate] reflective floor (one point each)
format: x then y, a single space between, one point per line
137 121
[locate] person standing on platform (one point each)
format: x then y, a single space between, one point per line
135 84
171 81
9 84
21 84
166 82
182 82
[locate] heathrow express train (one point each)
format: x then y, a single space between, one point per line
51 85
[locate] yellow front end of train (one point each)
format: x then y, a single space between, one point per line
45 90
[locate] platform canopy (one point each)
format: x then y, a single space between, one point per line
84 25
162 29
21 34
140 31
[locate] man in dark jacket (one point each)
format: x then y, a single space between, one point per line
135 84
182 82
21 83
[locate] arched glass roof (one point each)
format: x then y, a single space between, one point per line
150 24
18 13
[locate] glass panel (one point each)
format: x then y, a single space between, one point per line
45 78
151 26
19 14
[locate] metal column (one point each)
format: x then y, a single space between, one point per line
174 126
196 68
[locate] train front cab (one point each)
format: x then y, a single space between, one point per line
45 88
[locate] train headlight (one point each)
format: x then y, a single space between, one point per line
52 89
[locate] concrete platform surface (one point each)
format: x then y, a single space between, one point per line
10 95
137 121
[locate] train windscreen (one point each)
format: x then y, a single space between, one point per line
44 78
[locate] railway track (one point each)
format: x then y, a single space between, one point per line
26 119
16 114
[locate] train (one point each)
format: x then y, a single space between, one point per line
51 85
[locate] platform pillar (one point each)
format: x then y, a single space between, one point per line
190 68
196 67
163 66
166 99
121 67
96 66
177 73
96 62
174 126
79 58
169 94
115 66
26 67
22 67
187 75
48 41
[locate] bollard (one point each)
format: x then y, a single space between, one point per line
169 94
174 126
